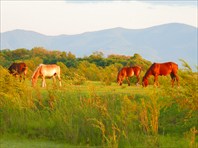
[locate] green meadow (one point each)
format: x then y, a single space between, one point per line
91 109
93 114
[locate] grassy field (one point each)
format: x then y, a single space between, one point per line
13 141
94 114
18 141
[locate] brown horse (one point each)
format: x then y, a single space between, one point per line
159 69
46 71
127 72
18 69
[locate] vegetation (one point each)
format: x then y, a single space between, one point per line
91 109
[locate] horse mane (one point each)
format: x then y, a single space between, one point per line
36 71
148 71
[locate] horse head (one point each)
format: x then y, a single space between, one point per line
33 81
144 82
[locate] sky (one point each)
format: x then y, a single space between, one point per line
75 17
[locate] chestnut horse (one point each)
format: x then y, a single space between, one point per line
46 71
127 72
18 69
159 69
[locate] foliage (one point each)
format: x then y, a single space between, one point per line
91 113
95 115
185 65
95 63
109 74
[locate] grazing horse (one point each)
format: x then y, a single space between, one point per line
159 69
46 71
127 72
18 69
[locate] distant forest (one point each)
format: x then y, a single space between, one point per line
45 56
92 67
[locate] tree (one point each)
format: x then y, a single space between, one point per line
97 55
39 51
89 70
70 56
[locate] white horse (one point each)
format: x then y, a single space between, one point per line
46 71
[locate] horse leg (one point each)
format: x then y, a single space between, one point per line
177 79
128 81
59 80
24 77
156 83
54 79
138 79
20 77
120 81
43 82
172 79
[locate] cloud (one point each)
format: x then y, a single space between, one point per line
68 17
153 2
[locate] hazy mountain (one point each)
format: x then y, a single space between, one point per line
168 42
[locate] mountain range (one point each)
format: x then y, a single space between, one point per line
167 42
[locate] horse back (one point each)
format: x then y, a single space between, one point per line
164 68
17 68
129 71
137 70
126 72
49 70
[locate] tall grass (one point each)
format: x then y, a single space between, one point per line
93 114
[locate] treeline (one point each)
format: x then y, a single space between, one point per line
8 56
93 67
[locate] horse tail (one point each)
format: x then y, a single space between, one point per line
174 67
140 70
118 76
137 70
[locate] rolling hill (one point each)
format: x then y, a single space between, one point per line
168 42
